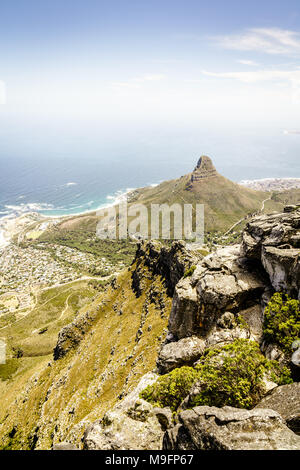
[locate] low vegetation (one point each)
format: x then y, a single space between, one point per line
61 397
282 321
233 375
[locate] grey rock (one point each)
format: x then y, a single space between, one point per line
295 360
273 352
183 352
270 230
168 262
211 428
286 401
282 267
227 320
133 424
221 282
184 319
221 336
71 335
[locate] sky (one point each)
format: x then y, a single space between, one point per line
138 69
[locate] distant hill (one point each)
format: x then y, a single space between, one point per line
225 201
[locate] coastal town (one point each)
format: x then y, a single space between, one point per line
272 184
25 270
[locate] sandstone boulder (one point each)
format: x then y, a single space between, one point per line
168 262
270 230
222 281
183 352
184 319
282 266
211 428
286 401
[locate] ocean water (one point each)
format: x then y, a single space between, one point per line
75 176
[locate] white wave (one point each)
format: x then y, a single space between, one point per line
30 207
71 184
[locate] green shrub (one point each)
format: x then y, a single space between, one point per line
282 321
172 388
189 271
232 375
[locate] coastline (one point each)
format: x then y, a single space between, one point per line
12 224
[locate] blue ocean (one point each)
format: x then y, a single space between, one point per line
71 174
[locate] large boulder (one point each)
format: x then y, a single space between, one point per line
222 281
184 319
211 428
282 265
271 230
133 424
274 240
183 352
286 401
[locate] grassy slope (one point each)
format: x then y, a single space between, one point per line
225 202
88 381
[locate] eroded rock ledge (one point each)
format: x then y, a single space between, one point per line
211 428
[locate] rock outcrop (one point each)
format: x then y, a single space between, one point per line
204 169
282 265
170 263
286 401
240 279
222 282
274 240
183 352
211 428
64 446
133 424
71 335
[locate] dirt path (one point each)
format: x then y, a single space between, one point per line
66 307
84 278
263 203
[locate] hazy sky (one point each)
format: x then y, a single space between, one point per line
125 64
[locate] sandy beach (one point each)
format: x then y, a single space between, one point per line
10 226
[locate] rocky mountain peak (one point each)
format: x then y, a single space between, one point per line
204 169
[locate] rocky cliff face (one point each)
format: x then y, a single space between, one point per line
275 241
168 262
221 302
223 282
